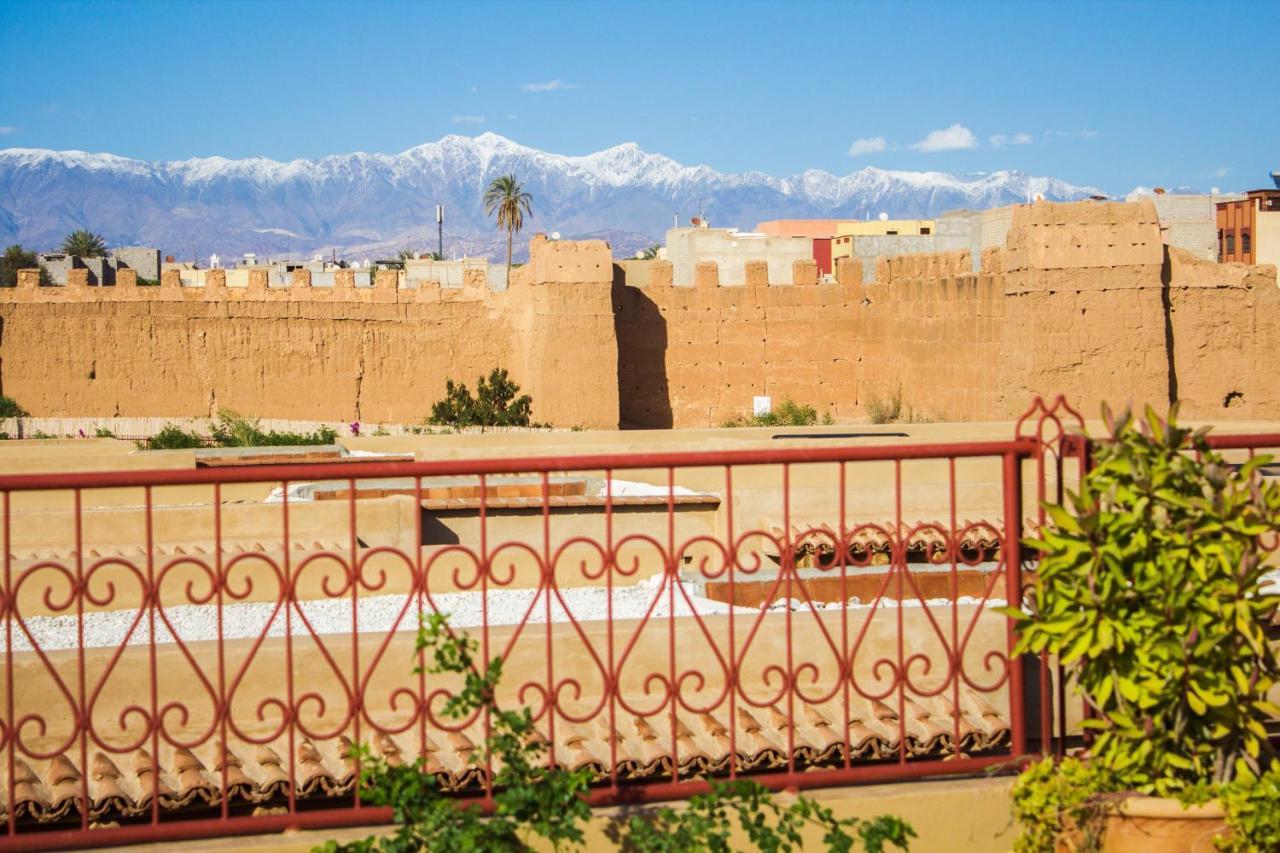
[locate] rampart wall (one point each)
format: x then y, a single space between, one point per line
379 353
1082 299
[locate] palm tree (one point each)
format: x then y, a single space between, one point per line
508 198
651 253
84 244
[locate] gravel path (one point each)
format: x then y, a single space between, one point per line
196 623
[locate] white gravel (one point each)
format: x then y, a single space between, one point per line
196 623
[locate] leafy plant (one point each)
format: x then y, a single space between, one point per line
234 430
789 413
706 824
495 404
1253 813
172 437
649 253
1149 591
17 258
10 408
83 243
103 432
532 799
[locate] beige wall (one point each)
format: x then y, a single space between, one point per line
1266 235
378 354
1082 299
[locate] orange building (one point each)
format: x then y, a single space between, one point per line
1249 229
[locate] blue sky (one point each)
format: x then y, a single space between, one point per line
1110 94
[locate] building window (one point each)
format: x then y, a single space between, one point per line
891 233
924 230
1244 243
1231 244
1222 245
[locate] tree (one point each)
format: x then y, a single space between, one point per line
507 197
495 404
651 253
17 258
406 255
83 243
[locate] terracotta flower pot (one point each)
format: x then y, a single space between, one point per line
1155 825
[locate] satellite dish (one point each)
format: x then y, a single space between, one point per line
884 217
1038 197
555 235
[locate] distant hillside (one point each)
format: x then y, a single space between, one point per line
375 204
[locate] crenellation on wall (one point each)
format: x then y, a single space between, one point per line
1085 300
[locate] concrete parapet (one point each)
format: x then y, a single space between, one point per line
755 273
562 261
706 274
29 279
804 272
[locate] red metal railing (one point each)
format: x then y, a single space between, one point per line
192 652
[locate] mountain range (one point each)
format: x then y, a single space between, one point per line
372 205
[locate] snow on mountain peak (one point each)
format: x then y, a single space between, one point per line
340 200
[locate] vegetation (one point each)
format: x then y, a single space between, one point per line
1150 592
790 413
507 198
534 801
148 282
495 404
10 408
17 258
233 430
172 437
103 432
84 244
651 253
892 410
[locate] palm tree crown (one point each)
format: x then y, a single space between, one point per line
512 204
84 244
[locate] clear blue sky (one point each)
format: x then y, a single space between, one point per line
1112 94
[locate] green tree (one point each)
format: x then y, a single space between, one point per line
507 198
17 258
651 253
496 404
83 243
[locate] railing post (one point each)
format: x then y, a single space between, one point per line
1012 550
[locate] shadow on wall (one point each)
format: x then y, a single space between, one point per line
644 394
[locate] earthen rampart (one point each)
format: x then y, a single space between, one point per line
379 353
1082 299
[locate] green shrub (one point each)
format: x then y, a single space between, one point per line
172 437
534 800
789 413
17 258
9 408
1149 591
234 430
893 410
103 432
495 404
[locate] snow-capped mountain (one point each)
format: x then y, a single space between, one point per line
370 204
